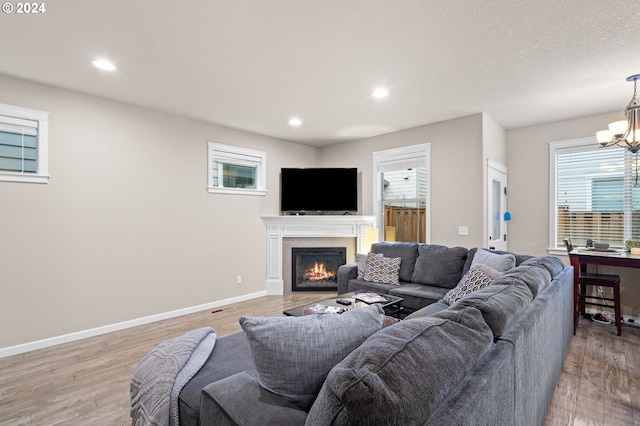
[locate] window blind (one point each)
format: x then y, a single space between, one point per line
18 148
595 196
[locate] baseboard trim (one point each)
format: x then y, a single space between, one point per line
71 337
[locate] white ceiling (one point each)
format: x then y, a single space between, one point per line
252 65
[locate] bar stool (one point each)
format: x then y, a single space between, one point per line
596 280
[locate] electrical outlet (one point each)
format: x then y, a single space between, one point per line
238 279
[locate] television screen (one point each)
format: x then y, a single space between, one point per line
317 190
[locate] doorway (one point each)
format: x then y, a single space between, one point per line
497 213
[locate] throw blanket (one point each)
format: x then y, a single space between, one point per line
161 375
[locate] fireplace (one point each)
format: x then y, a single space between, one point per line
316 268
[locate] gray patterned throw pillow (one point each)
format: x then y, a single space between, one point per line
478 277
382 269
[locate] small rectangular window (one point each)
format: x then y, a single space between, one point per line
236 170
23 144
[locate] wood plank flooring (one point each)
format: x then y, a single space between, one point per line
86 382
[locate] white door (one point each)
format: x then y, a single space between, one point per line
497 214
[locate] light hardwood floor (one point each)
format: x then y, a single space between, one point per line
87 382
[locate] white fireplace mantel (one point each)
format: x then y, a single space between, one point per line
279 227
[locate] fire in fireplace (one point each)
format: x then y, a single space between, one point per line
316 268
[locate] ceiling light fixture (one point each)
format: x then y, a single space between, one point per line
625 133
295 122
380 93
104 65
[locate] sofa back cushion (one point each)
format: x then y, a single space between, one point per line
376 384
407 251
535 277
500 303
439 266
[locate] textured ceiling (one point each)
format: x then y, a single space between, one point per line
252 65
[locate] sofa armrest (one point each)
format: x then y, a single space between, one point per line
346 273
240 400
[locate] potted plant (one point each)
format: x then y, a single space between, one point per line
633 246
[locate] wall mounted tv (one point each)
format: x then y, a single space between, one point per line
318 190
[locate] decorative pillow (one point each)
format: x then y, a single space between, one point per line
478 277
361 263
500 262
407 251
293 355
382 269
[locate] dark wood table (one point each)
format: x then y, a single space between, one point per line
580 258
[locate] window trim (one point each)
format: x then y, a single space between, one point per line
15 113
244 157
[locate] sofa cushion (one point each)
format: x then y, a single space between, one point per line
408 252
500 262
500 303
550 263
439 265
376 384
293 355
478 277
382 269
535 277
472 253
230 355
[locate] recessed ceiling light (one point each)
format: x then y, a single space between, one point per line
104 65
295 122
380 92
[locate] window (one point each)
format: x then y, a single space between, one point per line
402 193
23 144
593 194
236 170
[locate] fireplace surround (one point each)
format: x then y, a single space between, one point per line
305 228
316 268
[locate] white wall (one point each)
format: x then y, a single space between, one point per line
125 228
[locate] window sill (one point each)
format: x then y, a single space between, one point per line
23 177
238 191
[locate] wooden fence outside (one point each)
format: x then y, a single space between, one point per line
405 224
606 227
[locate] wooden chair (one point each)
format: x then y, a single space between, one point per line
586 280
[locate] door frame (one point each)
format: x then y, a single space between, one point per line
499 171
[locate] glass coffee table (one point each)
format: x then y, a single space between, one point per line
392 305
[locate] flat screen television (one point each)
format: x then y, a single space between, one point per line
318 190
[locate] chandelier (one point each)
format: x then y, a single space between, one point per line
625 133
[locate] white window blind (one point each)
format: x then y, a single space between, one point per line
23 144
18 146
595 197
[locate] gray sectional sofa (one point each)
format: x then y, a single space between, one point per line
427 272
491 358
